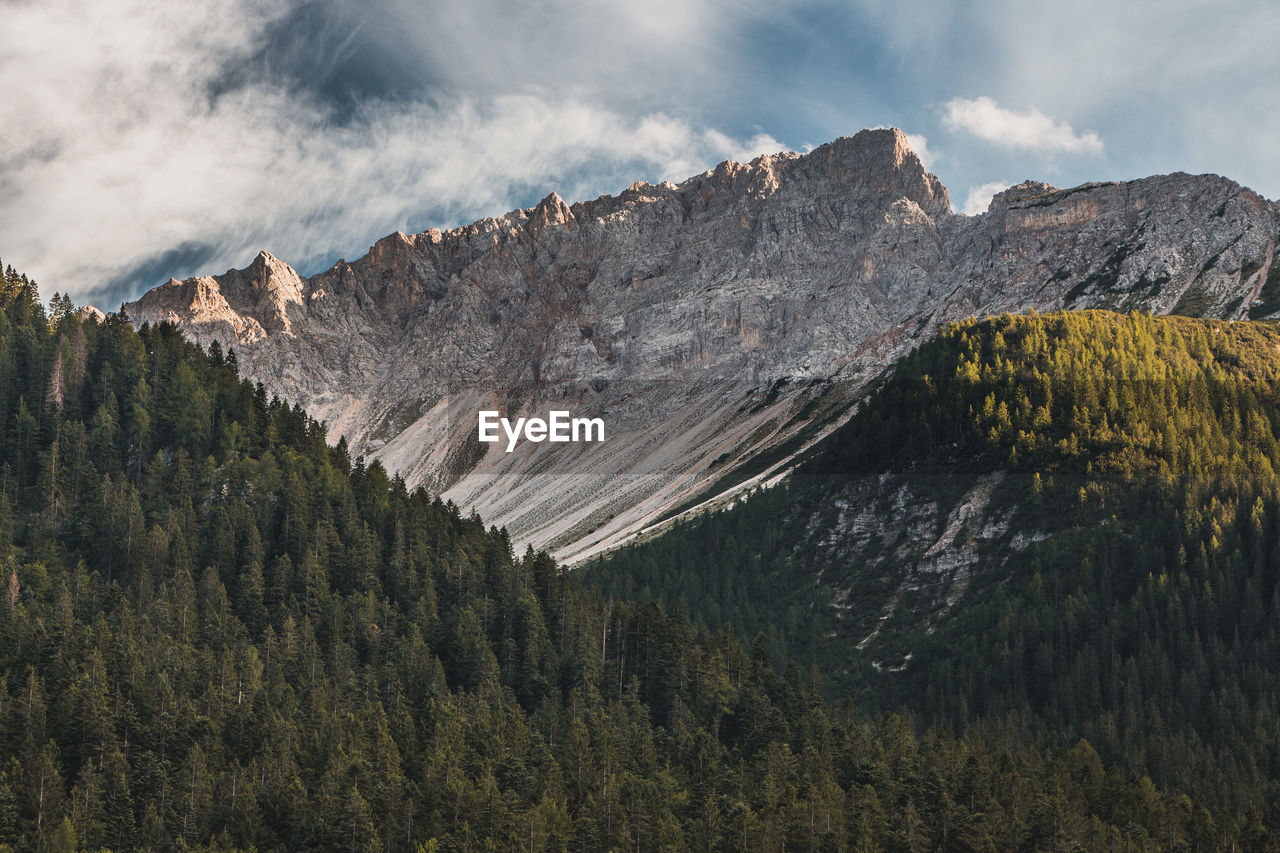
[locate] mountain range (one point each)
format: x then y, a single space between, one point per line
720 327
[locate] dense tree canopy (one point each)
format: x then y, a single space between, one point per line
1138 457
218 632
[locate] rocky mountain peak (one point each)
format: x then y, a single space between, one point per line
1026 190
551 211
89 312
271 287
236 308
881 163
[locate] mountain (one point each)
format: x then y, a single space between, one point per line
1067 522
718 327
217 633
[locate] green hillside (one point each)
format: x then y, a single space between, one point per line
1063 526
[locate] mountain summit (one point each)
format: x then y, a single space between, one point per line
718 326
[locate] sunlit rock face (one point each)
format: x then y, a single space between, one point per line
717 326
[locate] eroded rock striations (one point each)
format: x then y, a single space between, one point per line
717 326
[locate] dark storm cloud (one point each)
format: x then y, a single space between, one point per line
340 54
181 261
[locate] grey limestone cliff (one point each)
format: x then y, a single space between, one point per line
717 325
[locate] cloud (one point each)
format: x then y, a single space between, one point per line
979 197
920 145
141 138
1031 130
151 140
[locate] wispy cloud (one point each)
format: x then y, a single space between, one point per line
1031 130
134 145
979 197
920 144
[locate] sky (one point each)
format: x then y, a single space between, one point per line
141 140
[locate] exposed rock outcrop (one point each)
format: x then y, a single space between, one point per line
715 325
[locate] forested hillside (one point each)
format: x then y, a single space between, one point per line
217 632
1102 495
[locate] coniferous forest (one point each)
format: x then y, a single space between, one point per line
218 632
1136 462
